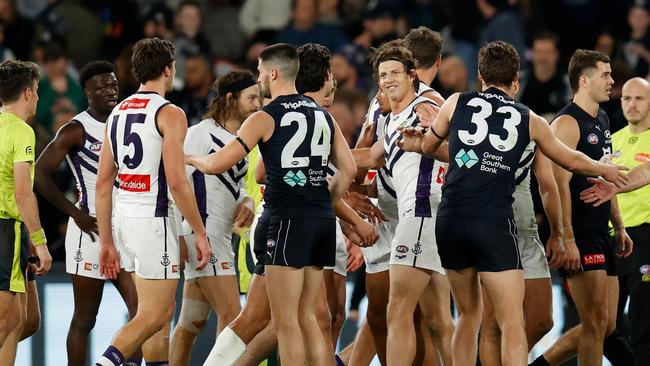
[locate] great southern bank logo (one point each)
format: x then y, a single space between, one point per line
466 158
294 179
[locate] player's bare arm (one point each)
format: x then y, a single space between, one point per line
550 195
28 209
343 162
623 240
171 122
369 157
574 161
257 127
109 260
363 229
260 172
70 136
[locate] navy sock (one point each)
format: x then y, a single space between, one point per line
114 355
133 361
157 363
339 361
540 361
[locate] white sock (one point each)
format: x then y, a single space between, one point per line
104 361
227 349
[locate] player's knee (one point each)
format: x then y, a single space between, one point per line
83 323
595 321
376 317
541 325
32 325
194 315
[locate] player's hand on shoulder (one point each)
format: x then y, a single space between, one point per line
426 113
601 192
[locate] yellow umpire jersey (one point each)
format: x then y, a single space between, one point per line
632 150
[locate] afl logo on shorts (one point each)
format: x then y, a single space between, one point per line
592 139
402 249
270 243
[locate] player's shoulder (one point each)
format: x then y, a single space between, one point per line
433 95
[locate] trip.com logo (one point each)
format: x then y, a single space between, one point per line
467 158
134 182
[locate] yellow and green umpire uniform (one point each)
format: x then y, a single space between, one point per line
17 142
632 150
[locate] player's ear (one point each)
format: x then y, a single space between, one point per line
438 61
274 74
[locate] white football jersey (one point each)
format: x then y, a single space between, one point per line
417 179
217 196
136 143
386 196
84 161
522 207
423 88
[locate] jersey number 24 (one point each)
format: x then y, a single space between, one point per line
320 140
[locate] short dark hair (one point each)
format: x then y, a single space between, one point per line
400 54
15 77
193 3
53 51
581 62
94 68
314 66
284 57
150 57
221 108
547 36
425 45
498 63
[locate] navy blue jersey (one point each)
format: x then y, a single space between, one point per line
595 141
296 158
487 137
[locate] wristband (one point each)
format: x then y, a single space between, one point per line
38 237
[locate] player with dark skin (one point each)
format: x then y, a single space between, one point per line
101 92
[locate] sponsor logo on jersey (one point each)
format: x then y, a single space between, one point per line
95 146
226 265
294 105
29 150
270 243
592 138
633 140
607 134
402 249
466 158
592 259
642 157
400 256
134 182
134 103
293 179
88 266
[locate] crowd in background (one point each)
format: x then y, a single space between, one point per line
213 37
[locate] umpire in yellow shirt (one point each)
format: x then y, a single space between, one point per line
631 147
18 208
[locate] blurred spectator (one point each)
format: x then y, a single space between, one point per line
5 53
606 43
328 12
464 21
543 87
502 24
227 40
253 51
637 48
258 16
305 28
121 24
60 96
348 64
379 25
80 30
349 109
195 96
127 81
159 22
452 76
19 32
188 39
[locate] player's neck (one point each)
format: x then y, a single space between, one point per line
427 75
584 101
101 117
283 88
318 97
19 109
232 125
640 126
399 105
510 91
157 86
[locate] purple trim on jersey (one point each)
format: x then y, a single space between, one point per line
233 190
114 124
384 184
162 201
76 165
88 137
155 117
217 141
87 165
423 188
91 155
198 179
394 160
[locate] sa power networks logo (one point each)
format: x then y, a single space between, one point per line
466 158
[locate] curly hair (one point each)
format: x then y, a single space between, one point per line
314 66
94 68
221 107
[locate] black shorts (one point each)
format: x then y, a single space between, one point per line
301 242
487 243
596 251
259 242
13 255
